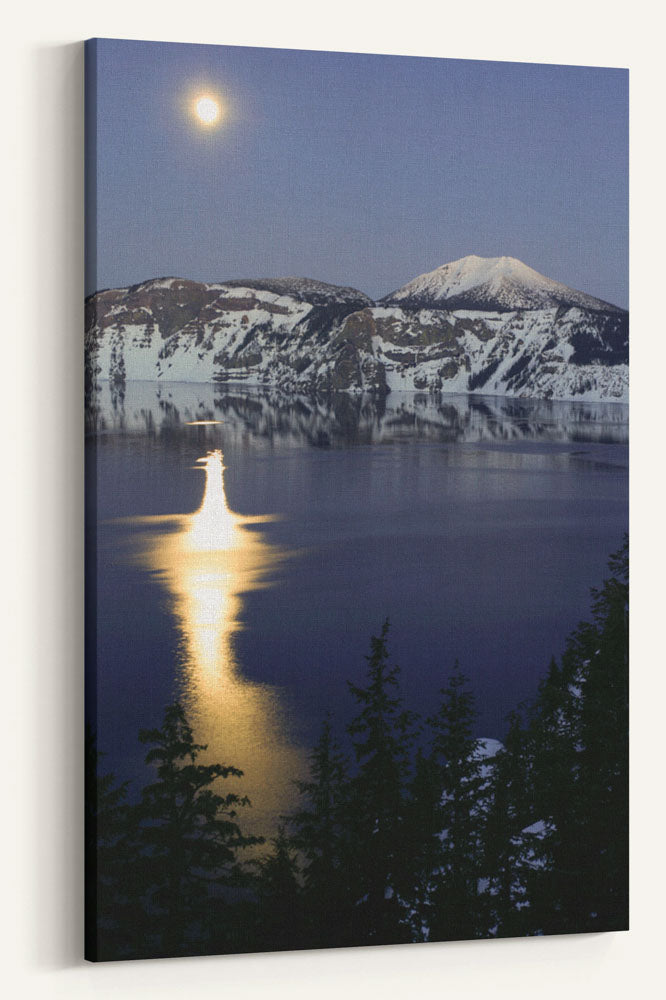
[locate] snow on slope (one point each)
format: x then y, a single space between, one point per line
297 334
177 330
502 283
550 353
305 289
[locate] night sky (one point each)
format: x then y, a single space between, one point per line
360 170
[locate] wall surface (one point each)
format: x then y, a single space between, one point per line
42 584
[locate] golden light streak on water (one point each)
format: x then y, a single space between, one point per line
207 562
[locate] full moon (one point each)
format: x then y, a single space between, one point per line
207 110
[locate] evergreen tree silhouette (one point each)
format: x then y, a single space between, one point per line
320 833
455 904
603 837
422 844
507 870
189 839
561 855
280 925
553 878
382 735
110 906
590 849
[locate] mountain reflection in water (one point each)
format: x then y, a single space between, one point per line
341 419
207 561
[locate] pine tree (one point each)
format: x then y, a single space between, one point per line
280 924
508 856
455 904
422 844
553 879
382 735
320 835
109 906
598 654
563 866
188 836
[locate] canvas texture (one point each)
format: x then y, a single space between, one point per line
356 354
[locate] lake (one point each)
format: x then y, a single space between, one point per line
247 545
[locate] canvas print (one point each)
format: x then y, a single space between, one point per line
356 353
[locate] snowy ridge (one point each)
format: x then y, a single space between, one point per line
550 353
302 335
304 289
502 283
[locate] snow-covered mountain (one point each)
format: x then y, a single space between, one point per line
178 330
555 353
517 333
496 284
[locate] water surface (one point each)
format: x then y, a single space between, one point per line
249 544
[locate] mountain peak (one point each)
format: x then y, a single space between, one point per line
499 284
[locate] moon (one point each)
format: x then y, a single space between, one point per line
207 109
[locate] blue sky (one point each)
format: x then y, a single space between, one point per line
360 170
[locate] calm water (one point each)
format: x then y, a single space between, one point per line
243 564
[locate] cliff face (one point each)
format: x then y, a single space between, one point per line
301 335
558 353
265 332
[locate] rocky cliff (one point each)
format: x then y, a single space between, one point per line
489 326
